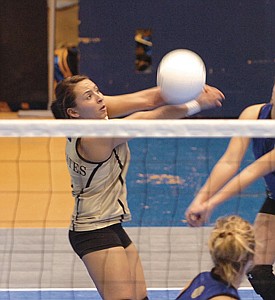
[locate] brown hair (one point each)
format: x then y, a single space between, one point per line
231 246
65 96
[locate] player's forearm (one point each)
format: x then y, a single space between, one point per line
234 187
220 175
123 105
163 112
249 175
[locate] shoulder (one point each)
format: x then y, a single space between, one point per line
251 112
100 149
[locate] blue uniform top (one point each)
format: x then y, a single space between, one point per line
263 145
207 285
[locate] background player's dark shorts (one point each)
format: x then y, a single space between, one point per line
268 206
84 242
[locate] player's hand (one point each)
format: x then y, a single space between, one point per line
197 214
210 97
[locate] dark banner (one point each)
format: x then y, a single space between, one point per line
23 54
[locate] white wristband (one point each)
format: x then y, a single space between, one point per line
193 108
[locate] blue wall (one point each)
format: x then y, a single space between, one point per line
164 176
225 33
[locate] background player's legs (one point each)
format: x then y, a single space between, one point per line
264 227
261 276
110 270
136 272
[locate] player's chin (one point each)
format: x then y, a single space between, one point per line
103 115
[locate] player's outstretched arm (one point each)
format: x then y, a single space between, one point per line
150 99
261 167
224 170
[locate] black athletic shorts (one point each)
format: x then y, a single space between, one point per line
268 206
84 242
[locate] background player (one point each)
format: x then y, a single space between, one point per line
216 191
231 245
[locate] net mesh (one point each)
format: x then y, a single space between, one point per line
170 160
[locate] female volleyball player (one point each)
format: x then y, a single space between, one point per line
231 245
98 168
215 191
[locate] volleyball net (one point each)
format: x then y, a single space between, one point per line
170 161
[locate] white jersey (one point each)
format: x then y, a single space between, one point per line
99 189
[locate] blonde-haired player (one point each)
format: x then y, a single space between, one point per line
231 245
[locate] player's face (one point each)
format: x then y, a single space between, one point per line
89 101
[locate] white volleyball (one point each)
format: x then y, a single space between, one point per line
181 76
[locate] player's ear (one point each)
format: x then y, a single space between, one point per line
72 113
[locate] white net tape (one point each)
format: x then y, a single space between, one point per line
137 128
